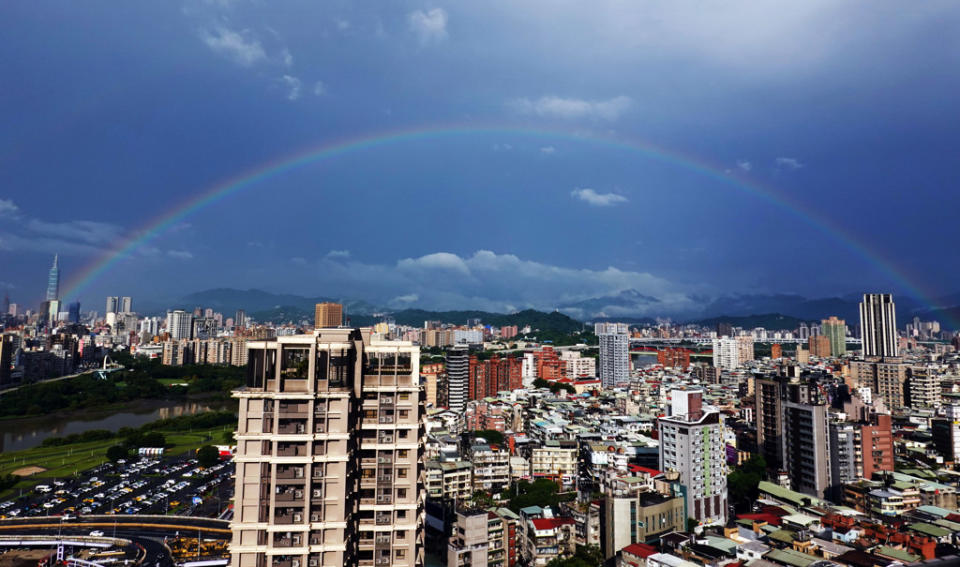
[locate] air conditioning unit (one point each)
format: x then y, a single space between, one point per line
297 518
313 562
295 563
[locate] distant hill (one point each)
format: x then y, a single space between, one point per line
228 300
771 321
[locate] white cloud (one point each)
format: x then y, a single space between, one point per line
570 108
240 46
8 207
319 88
180 254
429 26
293 86
343 24
788 163
597 199
498 282
502 147
299 261
286 57
90 232
338 254
744 164
548 150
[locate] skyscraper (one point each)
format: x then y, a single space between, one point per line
614 341
53 280
836 332
179 324
240 320
458 377
126 305
878 325
113 303
691 443
329 453
328 315
806 439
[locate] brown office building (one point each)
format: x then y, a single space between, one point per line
329 453
328 315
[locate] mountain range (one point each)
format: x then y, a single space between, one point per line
746 310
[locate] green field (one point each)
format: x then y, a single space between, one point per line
74 459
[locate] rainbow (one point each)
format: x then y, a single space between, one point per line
331 150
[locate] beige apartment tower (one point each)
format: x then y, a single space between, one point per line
329 453
328 315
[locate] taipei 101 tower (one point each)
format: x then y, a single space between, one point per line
53 281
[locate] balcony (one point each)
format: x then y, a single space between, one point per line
285 450
289 518
291 473
292 427
290 496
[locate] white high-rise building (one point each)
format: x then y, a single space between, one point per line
614 341
726 353
179 324
458 378
878 325
692 444
113 304
126 305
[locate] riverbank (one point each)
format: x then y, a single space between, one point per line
27 433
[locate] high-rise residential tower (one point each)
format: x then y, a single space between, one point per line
878 325
180 324
113 304
835 330
614 341
240 320
53 280
458 377
691 443
126 305
329 453
328 315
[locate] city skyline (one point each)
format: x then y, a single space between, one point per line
795 160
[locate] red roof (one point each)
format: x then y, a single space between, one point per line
640 550
771 519
645 470
550 523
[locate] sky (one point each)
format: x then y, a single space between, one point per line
806 148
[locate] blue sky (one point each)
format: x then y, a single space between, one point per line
113 113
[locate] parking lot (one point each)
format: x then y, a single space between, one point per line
144 485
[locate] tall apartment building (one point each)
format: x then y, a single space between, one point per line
691 444
113 305
726 353
835 330
925 387
614 341
769 415
179 324
7 347
632 513
126 305
329 453
806 440
240 319
886 380
458 377
878 325
820 346
328 315
946 433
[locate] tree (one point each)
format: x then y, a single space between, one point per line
153 439
743 483
208 455
492 436
117 452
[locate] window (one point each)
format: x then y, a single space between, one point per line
403 433
295 362
403 396
401 473
401 493
400 553
402 453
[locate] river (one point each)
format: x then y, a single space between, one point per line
19 434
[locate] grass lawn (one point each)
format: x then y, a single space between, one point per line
73 459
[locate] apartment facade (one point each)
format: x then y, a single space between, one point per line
329 446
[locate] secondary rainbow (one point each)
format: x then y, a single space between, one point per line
327 151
